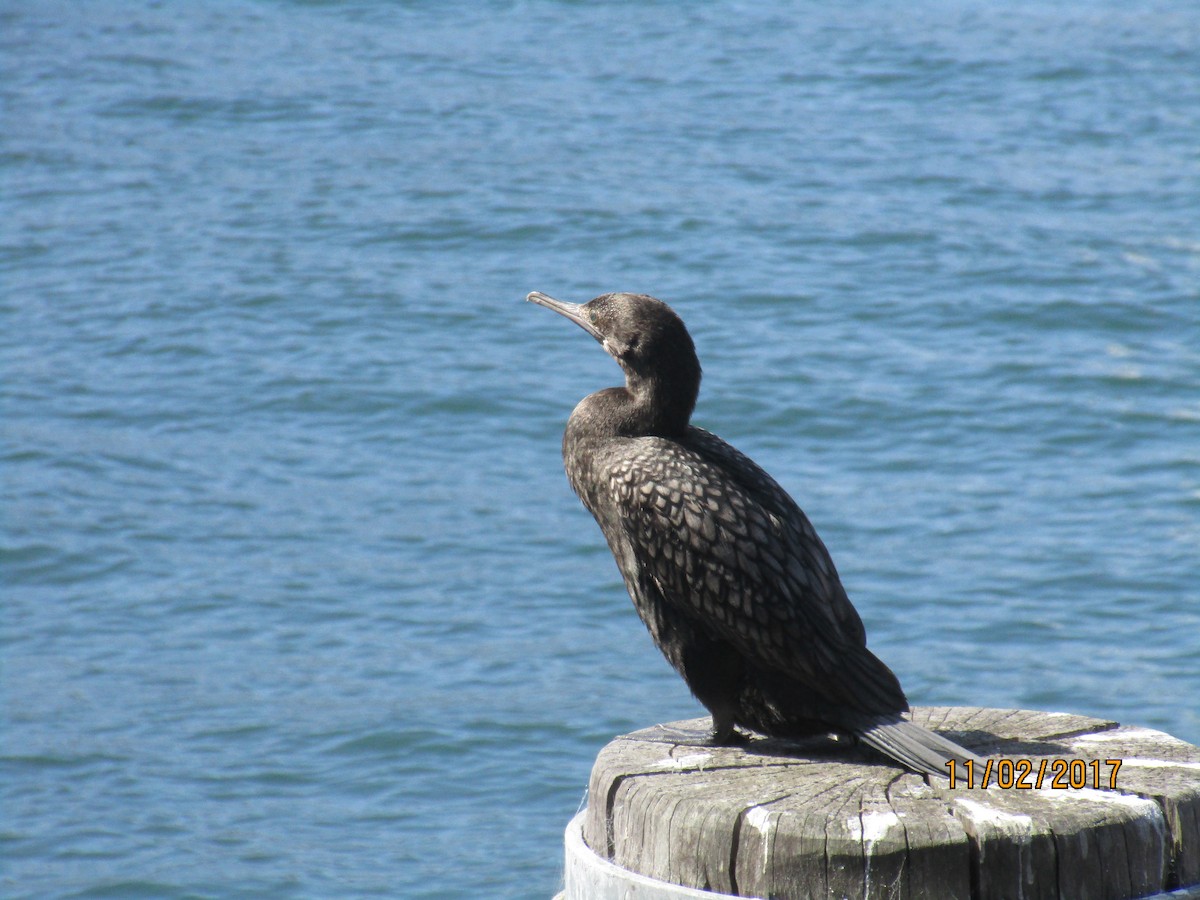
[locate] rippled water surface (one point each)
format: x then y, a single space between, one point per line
297 602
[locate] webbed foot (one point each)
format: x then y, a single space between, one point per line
723 734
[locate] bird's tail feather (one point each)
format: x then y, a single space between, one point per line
917 748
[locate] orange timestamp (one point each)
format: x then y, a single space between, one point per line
1031 775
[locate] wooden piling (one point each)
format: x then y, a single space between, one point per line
1114 814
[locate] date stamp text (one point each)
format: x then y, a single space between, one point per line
1031 775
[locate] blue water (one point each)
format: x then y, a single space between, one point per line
297 602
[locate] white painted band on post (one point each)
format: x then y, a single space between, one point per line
591 877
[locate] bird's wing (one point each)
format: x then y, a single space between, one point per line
728 547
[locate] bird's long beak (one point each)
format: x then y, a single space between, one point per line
572 311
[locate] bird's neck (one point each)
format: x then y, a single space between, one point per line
646 405
657 404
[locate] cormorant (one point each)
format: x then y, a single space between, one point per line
724 569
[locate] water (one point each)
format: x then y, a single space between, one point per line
297 602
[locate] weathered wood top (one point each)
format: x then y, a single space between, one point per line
819 818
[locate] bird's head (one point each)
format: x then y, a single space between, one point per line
640 332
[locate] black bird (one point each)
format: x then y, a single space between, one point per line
724 568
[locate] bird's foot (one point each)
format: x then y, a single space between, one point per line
727 736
